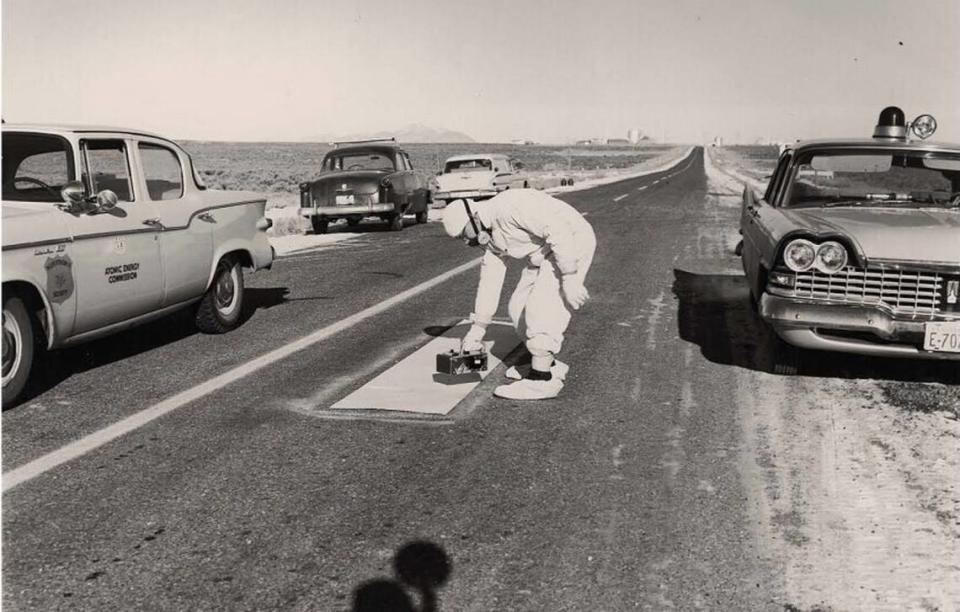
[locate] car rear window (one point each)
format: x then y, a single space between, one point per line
468 165
359 161
35 167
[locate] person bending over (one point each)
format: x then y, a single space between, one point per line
557 245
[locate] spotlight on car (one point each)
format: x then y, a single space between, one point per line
800 255
924 126
831 257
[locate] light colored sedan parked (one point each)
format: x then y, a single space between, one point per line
104 229
479 176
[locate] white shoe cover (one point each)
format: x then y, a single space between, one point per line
527 389
557 370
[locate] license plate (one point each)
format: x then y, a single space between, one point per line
344 199
942 337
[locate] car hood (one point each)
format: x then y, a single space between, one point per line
925 235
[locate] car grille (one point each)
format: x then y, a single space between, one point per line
909 293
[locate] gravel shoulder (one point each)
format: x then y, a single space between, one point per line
853 473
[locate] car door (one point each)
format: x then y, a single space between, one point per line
186 239
117 252
418 184
404 181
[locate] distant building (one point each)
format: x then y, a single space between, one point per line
584 143
634 135
618 141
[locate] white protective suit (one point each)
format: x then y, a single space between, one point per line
555 240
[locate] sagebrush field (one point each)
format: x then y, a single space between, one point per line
282 166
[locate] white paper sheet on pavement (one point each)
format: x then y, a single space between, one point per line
413 386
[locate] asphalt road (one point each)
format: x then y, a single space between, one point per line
624 493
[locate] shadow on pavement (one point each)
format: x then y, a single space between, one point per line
54 367
367 226
420 567
714 312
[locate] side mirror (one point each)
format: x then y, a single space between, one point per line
106 201
73 193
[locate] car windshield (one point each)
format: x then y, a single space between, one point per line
468 165
876 178
359 160
35 167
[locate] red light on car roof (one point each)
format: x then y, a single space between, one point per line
891 124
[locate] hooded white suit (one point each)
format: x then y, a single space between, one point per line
555 240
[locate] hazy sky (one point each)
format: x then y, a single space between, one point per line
547 70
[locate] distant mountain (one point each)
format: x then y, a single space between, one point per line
410 134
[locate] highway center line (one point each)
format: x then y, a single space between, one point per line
620 197
642 188
98 438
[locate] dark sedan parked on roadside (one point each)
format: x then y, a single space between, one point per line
373 178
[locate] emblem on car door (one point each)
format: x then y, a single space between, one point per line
59 278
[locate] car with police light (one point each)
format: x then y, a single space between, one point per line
478 177
106 228
365 178
855 245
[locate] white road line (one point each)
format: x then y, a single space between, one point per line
90 442
620 197
642 188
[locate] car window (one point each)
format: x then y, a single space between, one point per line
409 163
35 167
874 178
162 171
468 165
108 167
777 179
359 160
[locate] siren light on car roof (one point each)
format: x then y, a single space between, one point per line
892 124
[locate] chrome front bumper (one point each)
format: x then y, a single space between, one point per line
807 323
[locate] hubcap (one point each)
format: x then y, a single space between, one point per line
226 288
12 341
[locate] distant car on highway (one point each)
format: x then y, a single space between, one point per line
104 229
371 178
855 245
479 176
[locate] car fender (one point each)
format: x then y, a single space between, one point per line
239 247
50 318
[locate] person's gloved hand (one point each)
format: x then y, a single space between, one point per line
473 340
574 291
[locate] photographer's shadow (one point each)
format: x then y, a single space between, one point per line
420 568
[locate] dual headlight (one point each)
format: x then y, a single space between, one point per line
800 255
